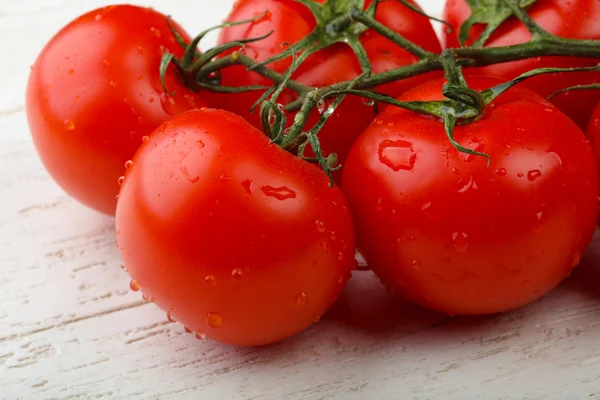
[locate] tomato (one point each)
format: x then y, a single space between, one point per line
593 132
454 235
94 92
236 238
290 22
575 19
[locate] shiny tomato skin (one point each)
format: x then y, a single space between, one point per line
593 132
94 92
234 237
575 19
291 22
454 235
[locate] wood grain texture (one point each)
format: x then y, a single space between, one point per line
71 329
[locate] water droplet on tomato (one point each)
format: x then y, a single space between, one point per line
340 280
210 280
237 274
123 267
520 175
140 50
247 185
168 104
152 299
332 235
128 164
213 320
501 171
155 31
187 330
317 319
280 193
170 317
69 125
416 265
113 84
98 17
320 226
426 206
106 62
323 245
71 71
475 145
224 178
397 154
144 297
301 299
534 174
460 240
134 285
465 186
77 98
145 139
121 180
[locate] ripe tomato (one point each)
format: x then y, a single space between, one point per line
452 234
94 92
575 19
290 22
593 132
236 238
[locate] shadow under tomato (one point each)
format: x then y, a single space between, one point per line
585 278
365 305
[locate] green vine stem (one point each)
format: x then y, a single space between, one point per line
343 21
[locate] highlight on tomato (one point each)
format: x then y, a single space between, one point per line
94 93
453 234
237 239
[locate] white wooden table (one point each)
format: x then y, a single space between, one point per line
71 329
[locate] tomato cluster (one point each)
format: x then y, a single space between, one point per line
246 243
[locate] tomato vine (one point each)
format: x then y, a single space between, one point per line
343 21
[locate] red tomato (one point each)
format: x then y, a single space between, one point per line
575 19
236 238
454 235
95 92
593 133
291 22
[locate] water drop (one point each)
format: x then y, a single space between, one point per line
213 320
69 125
237 274
464 187
317 319
332 235
416 265
460 240
121 180
321 106
534 174
397 154
247 184
324 245
520 175
301 299
155 31
140 50
187 330
320 226
368 102
113 84
144 297
98 17
280 193
145 139
170 317
340 280
340 256
71 71
200 336
134 285
501 171
106 62
426 206
128 164
123 267
475 145
152 299
210 280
